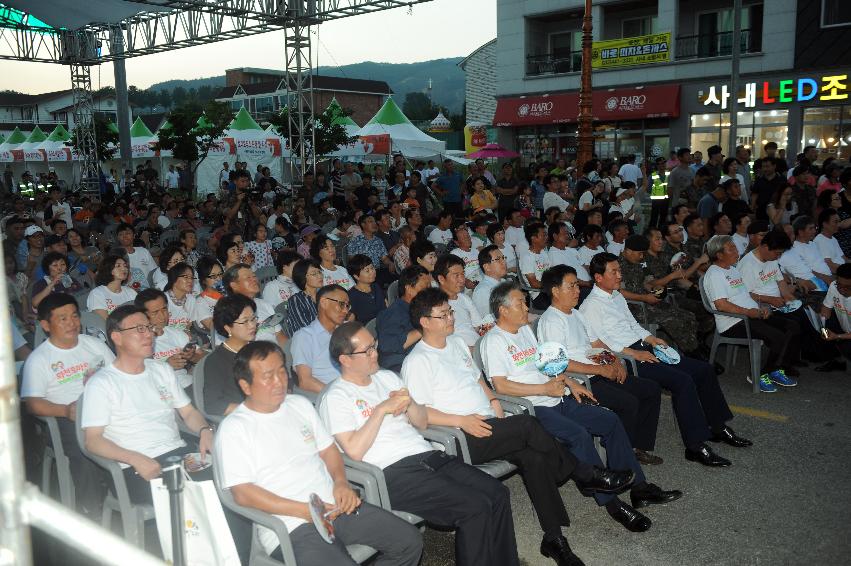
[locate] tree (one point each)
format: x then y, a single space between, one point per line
417 106
205 93
164 98
106 141
328 135
178 95
186 139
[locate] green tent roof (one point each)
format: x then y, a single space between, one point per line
2 138
166 126
336 111
243 121
59 133
17 136
140 130
37 136
112 127
389 115
202 122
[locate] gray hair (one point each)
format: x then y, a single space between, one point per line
500 294
715 245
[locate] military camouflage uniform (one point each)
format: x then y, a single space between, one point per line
694 247
659 266
680 325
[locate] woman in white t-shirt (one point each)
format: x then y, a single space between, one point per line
283 287
725 288
210 276
110 293
181 300
170 257
323 250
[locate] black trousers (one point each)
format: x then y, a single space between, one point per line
782 337
658 212
543 463
699 404
90 480
398 542
637 402
460 496
843 346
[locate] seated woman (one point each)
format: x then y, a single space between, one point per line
169 257
301 307
260 248
210 277
424 253
111 292
283 287
496 234
402 257
323 250
230 251
56 279
181 300
367 297
482 198
235 318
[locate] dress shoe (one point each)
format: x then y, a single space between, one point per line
832 365
728 436
707 457
647 458
633 520
605 480
651 494
559 550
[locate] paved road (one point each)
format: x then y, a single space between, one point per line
785 501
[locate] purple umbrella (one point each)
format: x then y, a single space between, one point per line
493 150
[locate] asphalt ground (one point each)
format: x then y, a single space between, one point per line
784 501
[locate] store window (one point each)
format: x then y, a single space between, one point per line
828 128
754 129
835 13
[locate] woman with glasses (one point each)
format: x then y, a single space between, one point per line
323 250
181 299
496 234
111 292
301 307
210 277
366 296
235 318
231 252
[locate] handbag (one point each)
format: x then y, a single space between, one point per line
208 540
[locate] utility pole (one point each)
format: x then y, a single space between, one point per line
586 118
734 75
122 105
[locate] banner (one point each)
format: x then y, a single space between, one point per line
631 51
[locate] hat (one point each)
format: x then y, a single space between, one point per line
637 243
620 191
32 230
309 229
53 239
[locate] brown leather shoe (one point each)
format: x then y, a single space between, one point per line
646 458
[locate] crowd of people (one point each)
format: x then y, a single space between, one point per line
352 313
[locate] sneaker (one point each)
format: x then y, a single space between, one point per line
779 377
765 384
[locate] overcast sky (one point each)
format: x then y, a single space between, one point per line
436 29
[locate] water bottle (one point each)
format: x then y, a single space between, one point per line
66 280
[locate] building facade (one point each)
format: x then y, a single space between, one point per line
480 84
662 73
47 110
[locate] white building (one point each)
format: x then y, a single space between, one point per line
480 88
25 111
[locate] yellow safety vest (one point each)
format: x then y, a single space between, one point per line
659 190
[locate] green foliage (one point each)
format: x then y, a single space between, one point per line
417 106
328 135
186 139
106 141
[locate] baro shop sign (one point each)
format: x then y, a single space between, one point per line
631 51
765 93
535 109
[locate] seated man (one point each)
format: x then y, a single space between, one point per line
804 260
441 375
828 245
508 352
396 336
54 375
373 419
449 273
561 253
469 256
311 361
699 403
129 410
535 260
634 399
272 452
241 280
492 262
836 312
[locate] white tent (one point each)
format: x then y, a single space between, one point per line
10 149
404 136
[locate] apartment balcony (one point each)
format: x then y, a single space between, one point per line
550 64
720 44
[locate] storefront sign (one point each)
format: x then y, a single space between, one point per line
613 104
826 88
631 51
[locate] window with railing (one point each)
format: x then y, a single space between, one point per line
564 55
714 37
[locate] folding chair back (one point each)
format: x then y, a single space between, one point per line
393 292
198 390
54 453
93 325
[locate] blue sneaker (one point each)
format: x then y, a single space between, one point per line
779 377
765 384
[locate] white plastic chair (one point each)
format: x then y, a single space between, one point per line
198 390
54 453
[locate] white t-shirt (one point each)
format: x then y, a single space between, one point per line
170 343
833 300
141 263
203 308
180 317
471 263
159 279
279 290
760 277
446 379
812 256
829 249
569 330
137 411
346 407
101 298
630 172
794 263
742 242
727 284
340 276
467 318
586 254
534 264
58 375
569 256
172 179
515 236
264 311
587 198
278 452
438 236
513 356
615 248
552 199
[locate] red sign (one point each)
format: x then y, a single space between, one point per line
613 104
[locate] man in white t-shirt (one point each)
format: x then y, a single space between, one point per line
827 245
311 359
373 419
536 260
54 375
129 407
272 452
551 197
224 174
172 179
449 273
804 260
442 233
561 254
468 255
629 171
515 235
441 375
493 266
836 314
239 279
141 262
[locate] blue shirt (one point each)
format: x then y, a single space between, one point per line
310 348
451 183
392 326
708 206
372 248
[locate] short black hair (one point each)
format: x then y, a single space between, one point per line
485 255
409 277
554 276
167 254
358 263
599 263
285 257
204 267
228 309
317 244
691 219
300 270
325 289
444 263
423 304
258 350
116 317
123 227
147 295
554 229
55 301
49 258
713 150
341 339
844 271
824 216
499 295
777 240
226 243
531 229
800 224
231 275
757 226
420 249
683 151
363 218
493 228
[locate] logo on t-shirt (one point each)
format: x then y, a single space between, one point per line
364 408
735 283
523 357
65 375
840 307
165 394
765 277
307 434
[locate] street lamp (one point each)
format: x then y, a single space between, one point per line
586 136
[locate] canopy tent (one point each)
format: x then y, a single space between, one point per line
142 140
56 148
112 127
9 149
338 117
404 136
73 14
29 147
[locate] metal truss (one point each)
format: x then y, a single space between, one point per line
84 127
299 81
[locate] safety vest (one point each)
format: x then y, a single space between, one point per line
659 190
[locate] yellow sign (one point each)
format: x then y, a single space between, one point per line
631 51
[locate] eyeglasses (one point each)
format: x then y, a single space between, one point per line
252 320
448 314
371 349
140 328
216 275
345 305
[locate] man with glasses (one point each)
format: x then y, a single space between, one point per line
493 265
241 280
449 273
129 409
373 419
311 361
